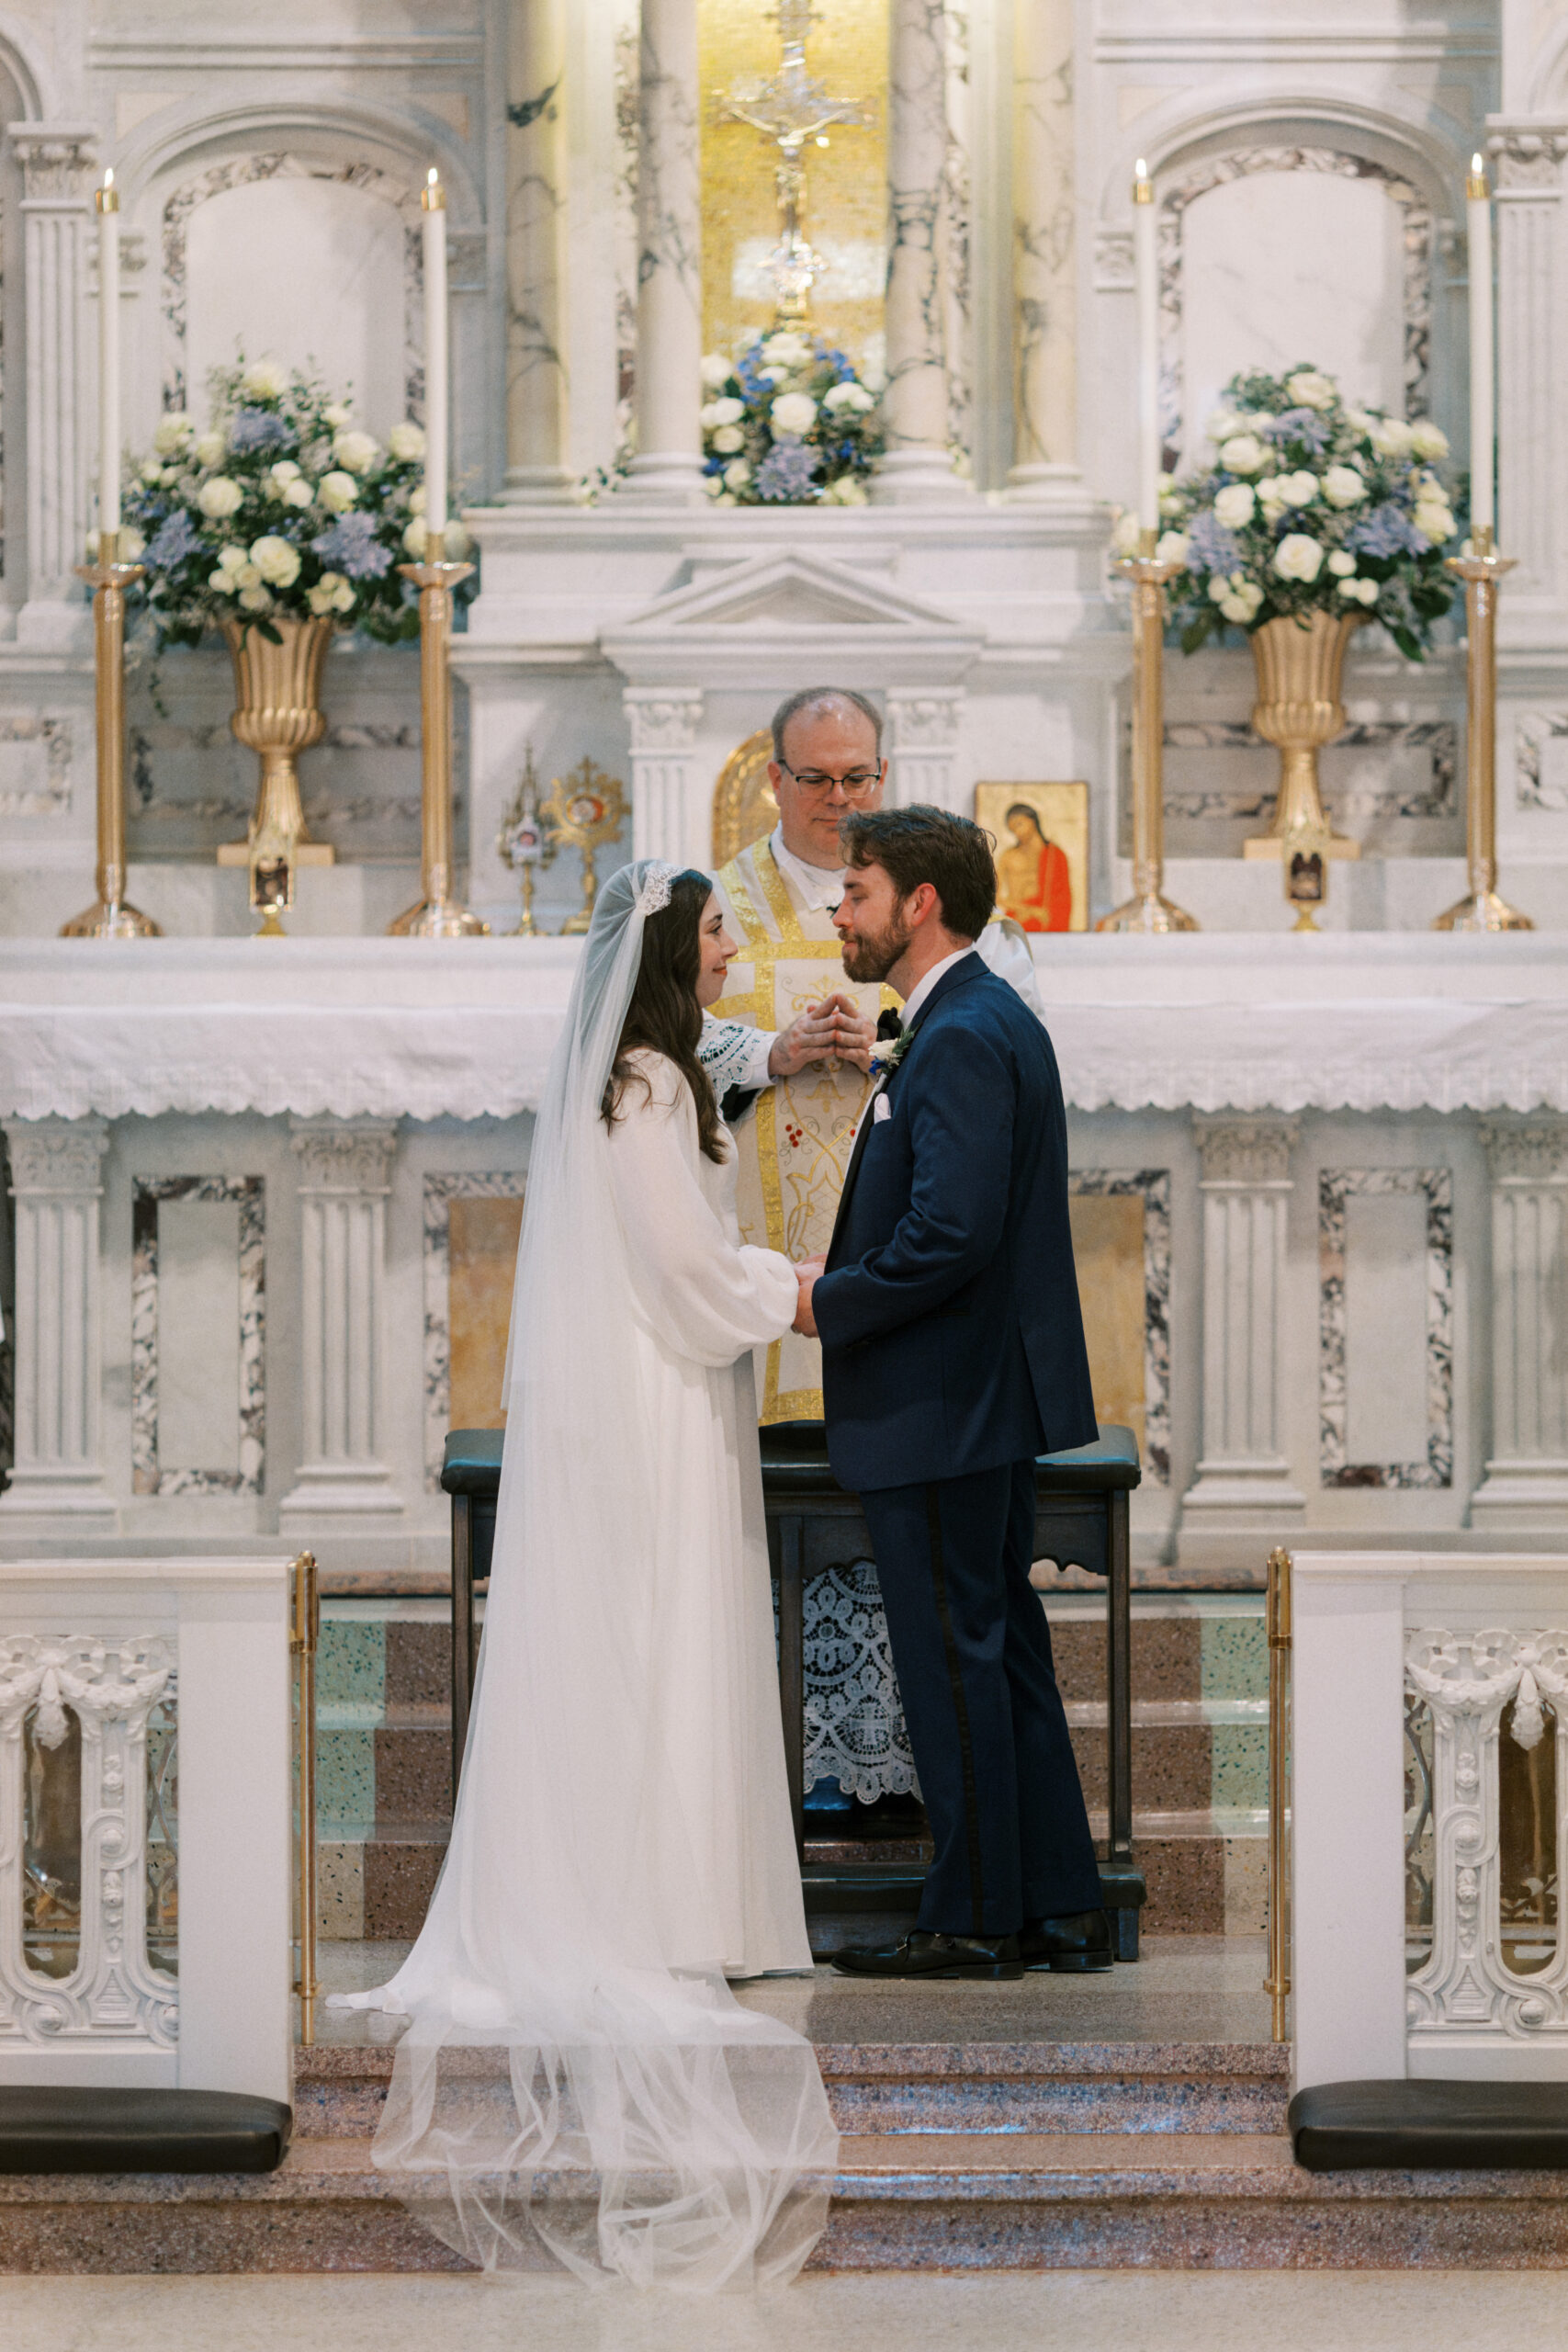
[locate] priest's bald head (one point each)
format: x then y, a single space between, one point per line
827 759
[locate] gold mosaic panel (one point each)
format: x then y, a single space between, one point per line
1107 1246
846 197
483 1264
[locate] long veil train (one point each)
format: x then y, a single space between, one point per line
569 2085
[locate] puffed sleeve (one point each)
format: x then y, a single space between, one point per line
706 1294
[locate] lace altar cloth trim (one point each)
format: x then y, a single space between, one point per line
470 1061
854 1723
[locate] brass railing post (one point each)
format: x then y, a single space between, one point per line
1278 1982
305 1627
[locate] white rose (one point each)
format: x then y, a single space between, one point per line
1174 547
223 581
853 397
787 350
151 471
264 380
336 415
173 433
1124 535
1359 420
1242 454
738 473
1342 564
275 559
416 499
298 493
1309 389
1343 486
1242 603
728 439
232 556
1351 588
456 542
712 485
168 476
1271 496
725 412
357 451
209 449
284 470
220 496
1298 489
1434 522
246 574
850 491
1219 588
338 493
1367 591
1298 556
342 598
406 442
414 536
256 600
793 412
1222 425
1233 505
1428 440
320 597
132 544
1392 437
717 370
727 498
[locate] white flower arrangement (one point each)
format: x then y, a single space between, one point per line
789 423
1310 503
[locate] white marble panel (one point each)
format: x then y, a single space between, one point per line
1385 1327
1282 267
309 270
198 1335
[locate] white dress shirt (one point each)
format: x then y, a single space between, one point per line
923 988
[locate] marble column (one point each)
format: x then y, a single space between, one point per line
1245 1187
1526 1478
1044 276
922 743
667 468
666 821
1527 161
537 474
56 1183
55 158
344 1171
918 465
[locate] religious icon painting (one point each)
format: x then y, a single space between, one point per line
1041 833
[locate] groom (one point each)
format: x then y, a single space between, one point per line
952 1353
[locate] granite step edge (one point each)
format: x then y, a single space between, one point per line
911 2061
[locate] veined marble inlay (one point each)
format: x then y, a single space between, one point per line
242 171
1541 759
1434 740
1335 1185
35 764
1216 172
508 1184
1153 1185
147 1477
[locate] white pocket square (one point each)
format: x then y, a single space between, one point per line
881 1109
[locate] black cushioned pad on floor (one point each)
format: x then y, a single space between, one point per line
50 2128
1431 2127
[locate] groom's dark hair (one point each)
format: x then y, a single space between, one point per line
921 844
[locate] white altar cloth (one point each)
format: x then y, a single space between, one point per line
463 1028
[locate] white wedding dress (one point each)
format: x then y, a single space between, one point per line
577 2080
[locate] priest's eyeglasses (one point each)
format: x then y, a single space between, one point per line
858 785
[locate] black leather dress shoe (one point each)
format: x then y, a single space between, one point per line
928 1953
1075 1945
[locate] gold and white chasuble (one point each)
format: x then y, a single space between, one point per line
794 1147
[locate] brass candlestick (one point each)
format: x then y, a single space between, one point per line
1481 909
524 844
437 915
1148 909
586 810
109 917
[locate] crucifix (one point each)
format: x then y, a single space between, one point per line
790 108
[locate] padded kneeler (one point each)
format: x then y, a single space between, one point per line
1431 2127
51 2128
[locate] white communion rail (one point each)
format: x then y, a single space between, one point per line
144 1939
1429 1816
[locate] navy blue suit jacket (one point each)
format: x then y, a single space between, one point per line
952 1338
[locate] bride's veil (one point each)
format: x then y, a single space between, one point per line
563 2090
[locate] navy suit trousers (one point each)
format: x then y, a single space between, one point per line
973 1655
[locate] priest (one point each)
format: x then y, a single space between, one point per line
788 1048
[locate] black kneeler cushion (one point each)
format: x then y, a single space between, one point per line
1431 2127
53 2129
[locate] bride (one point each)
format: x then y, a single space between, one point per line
577 2081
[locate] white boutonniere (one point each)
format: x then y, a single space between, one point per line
886 1060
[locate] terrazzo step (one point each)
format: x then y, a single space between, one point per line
926 2202
904 2088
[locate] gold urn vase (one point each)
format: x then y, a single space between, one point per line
278 713
1300 664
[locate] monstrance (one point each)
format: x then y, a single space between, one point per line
524 844
788 108
585 810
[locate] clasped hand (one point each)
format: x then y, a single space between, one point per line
835 1030
805 1274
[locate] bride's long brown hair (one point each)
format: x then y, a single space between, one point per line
664 1016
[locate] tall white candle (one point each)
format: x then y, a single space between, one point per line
107 202
1146 273
1478 214
434 200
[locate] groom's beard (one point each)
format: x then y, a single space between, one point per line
874 954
